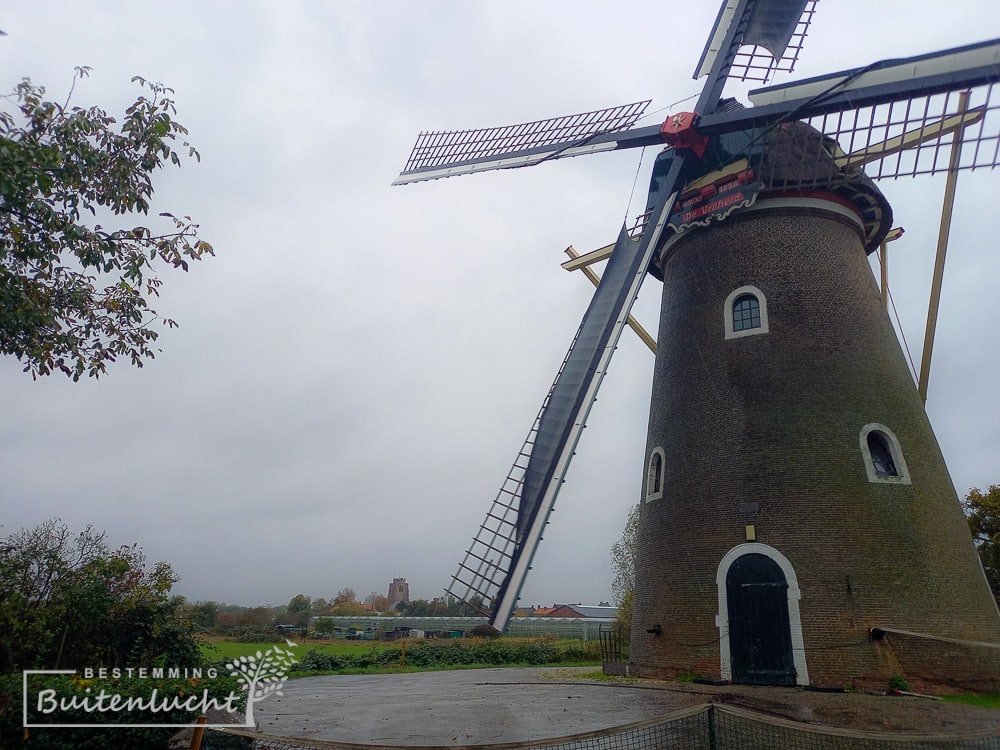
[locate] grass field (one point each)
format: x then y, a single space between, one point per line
986 700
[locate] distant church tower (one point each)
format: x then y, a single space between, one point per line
798 523
399 591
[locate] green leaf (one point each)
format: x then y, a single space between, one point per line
57 162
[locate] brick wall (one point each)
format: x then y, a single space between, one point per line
764 430
934 665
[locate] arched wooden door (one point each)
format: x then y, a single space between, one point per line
760 639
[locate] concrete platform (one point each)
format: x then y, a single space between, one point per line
475 706
490 706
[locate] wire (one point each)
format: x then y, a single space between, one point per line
635 181
899 325
792 115
902 335
642 155
668 108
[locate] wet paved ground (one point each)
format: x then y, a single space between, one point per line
479 706
485 706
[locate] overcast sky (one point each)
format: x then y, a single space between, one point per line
357 368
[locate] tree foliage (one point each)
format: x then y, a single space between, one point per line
351 608
346 604
983 513
623 556
74 294
623 564
235 616
623 618
379 601
69 601
203 615
344 596
298 610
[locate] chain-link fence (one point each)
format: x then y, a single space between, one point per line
704 727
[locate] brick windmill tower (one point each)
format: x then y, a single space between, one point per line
798 524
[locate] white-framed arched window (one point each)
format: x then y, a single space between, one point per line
654 475
745 312
882 455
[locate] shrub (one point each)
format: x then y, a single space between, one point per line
581 651
538 652
99 739
429 654
70 601
314 661
495 651
453 653
485 631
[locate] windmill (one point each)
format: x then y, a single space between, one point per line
789 459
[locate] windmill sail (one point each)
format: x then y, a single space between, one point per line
880 83
777 26
455 152
498 561
894 117
914 137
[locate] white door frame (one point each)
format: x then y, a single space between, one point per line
794 622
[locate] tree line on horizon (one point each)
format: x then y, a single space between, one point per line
246 622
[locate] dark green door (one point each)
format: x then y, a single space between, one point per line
760 638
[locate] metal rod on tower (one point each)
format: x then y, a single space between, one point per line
942 251
883 256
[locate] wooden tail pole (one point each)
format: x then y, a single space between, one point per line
942 250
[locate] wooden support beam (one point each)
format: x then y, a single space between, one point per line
942 250
573 264
953 124
582 261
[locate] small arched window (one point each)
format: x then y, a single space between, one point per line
745 312
654 475
883 456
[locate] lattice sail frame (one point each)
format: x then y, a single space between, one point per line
914 137
438 149
488 560
756 63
